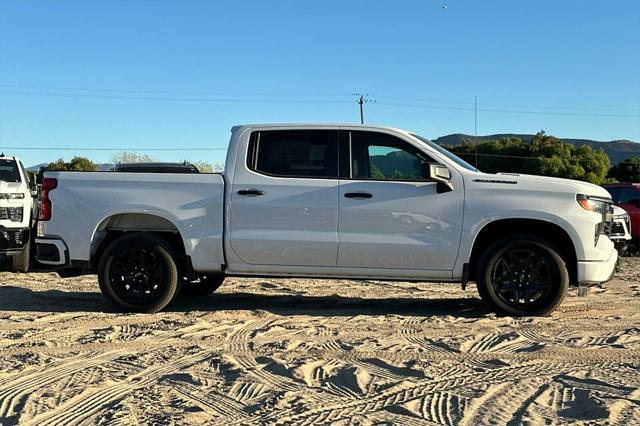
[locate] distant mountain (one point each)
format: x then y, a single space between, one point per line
395 163
616 150
36 167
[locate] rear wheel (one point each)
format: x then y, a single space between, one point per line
21 262
522 275
137 273
200 284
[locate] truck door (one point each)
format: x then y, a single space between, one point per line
390 216
284 200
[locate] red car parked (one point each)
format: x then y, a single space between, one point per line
627 196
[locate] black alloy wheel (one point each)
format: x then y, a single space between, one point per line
137 273
522 275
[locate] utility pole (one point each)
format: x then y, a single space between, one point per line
475 127
362 99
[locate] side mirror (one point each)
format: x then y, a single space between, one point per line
440 174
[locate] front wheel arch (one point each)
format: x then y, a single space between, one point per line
554 234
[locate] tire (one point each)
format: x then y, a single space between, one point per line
200 285
522 275
137 273
21 262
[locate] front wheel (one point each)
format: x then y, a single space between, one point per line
137 273
522 275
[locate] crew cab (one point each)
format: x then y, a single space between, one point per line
17 211
336 201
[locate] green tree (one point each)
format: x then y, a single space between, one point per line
544 155
626 171
77 164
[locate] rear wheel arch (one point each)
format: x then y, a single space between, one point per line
556 236
113 227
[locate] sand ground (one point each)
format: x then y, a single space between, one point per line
302 351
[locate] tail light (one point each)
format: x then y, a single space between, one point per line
48 185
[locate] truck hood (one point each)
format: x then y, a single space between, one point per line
11 187
556 184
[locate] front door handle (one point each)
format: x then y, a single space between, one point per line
358 195
251 192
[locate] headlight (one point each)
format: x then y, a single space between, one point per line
601 206
592 205
11 196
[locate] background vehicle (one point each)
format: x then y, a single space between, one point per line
330 201
620 232
156 167
627 196
17 213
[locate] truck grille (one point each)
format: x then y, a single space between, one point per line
11 213
616 229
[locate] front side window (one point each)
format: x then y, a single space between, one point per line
295 153
379 156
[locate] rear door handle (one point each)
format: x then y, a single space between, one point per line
358 195
250 192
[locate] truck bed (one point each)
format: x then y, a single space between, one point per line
191 204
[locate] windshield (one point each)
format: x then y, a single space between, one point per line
459 161
9 171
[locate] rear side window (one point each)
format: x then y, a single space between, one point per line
294 153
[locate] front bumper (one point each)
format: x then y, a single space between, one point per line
13 240
592 272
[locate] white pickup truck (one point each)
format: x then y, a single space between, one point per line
17 209
339 201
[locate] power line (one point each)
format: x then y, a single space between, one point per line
36 90
157 98
471 103
331 95
296 101
505 111
169 92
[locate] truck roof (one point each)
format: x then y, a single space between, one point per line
317 125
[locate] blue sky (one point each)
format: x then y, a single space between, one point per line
172 75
